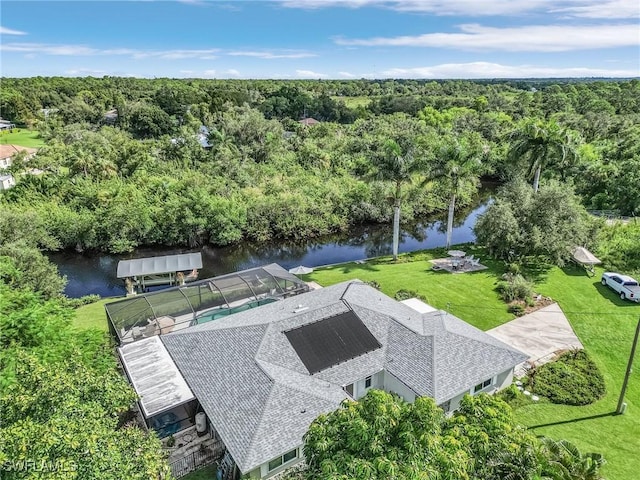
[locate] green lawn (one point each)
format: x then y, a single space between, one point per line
353 102
206 473
465 295
22 137
93 315
604 323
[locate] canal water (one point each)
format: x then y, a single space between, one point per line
96 273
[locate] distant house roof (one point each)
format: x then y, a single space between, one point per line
308 121
203 137
7 151
163 264
257 389
111 115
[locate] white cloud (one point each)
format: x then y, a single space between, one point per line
530 38
83 50
271 55
232 72
437 7
474 8
346 74
187 72
310 74
495 70
9 31
209 73
86 72
606 9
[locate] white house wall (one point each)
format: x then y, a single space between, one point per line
393 385
359 389
263 472
498 382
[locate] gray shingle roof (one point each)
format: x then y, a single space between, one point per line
261 398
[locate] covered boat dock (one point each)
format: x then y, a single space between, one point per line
141 273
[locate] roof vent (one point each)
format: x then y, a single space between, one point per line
300 308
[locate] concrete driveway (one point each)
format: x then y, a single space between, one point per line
539 334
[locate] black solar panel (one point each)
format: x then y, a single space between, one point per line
323 344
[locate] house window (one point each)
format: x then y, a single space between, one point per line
482 385
273 464
281 460
290 456
349 389
367 382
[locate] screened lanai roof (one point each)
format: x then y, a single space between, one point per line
155 265
154 376
167 310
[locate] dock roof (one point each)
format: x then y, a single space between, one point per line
155 265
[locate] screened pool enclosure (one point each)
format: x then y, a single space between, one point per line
168 310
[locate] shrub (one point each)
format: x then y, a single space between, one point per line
515 287
572 379
84 300
404 294
374 284
517 309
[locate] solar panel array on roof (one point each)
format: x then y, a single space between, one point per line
336 339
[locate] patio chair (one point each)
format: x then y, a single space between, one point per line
475 262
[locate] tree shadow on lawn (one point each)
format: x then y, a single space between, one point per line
536 272
574 270
573 420
351 267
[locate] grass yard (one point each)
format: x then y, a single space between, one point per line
206 473
22 137
93 315
604 323
465 295
353 102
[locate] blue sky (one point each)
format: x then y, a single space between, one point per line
321 38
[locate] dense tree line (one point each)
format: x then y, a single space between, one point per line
142 176
65 406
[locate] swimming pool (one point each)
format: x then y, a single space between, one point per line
207 317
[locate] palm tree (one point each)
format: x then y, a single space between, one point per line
397 167
561 460
456 165
542 143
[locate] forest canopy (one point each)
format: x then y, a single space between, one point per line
132 162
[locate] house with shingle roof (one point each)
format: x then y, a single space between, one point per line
8 151
263 375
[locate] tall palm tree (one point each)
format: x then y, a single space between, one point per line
456 164
542 143
397 166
